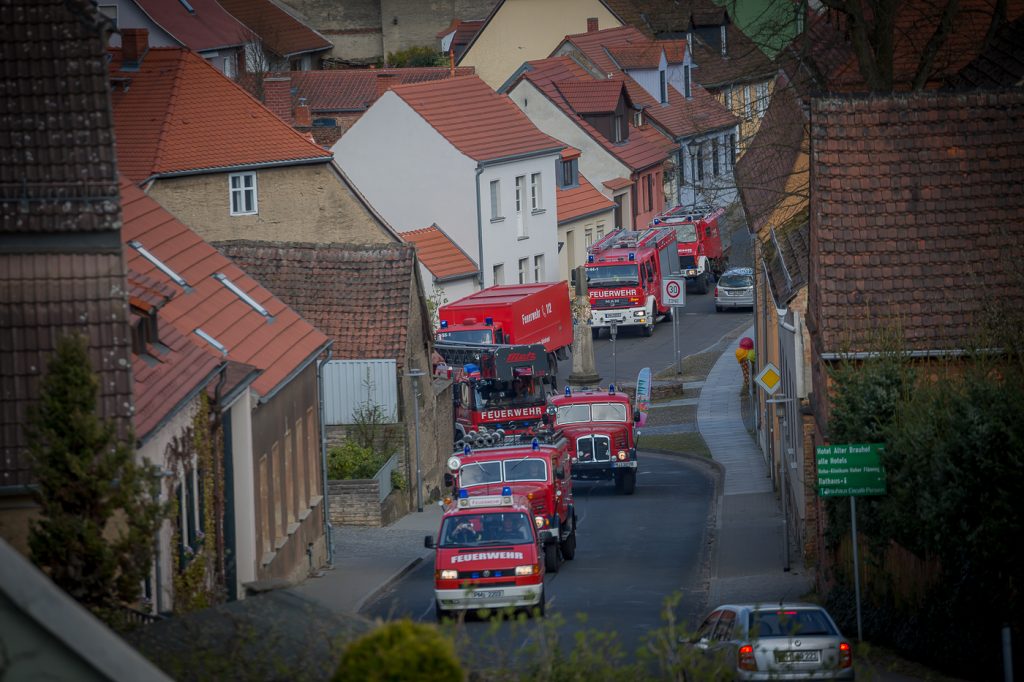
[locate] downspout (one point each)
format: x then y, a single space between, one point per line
323 452
479 224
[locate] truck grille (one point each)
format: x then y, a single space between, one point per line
605 303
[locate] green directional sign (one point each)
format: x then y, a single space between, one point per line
850 470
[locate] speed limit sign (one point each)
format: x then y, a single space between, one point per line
673 291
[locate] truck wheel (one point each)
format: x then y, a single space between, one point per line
543 600
551 557
569 546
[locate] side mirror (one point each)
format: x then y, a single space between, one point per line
428 542
636 416
449 480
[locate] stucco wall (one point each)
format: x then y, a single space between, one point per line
523 30
307 203
574 251
411 23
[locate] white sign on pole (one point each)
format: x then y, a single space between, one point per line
673 291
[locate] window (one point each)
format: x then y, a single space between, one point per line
662 86
732 150
229 66
498 274
728 97
714 156
746 101
686 81
619 209
496 200
700 162
538 268
520 192
650 192
524 270
568 173
617 129
535 194
725 47
243 193
600 233
588 237
761 90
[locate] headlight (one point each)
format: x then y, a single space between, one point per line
539 521
622 455
449 574
530 569
454 463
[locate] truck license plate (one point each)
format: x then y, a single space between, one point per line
488 594
624 465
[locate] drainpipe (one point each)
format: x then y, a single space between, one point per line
323 453
479 223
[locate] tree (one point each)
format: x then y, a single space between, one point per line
98 517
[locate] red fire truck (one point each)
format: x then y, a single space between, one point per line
488 555
601 429
624 273
700 245
496 387
538 467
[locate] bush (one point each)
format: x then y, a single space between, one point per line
351 460
417 56
400 650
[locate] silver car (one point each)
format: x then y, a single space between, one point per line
786 641
735 289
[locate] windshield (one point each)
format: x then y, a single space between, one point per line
467 335
803 622
736 280
482 473
686 262
492 394
598 412
496 528
687 232
612 275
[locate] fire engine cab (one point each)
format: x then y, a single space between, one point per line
701 258
487 554
624 273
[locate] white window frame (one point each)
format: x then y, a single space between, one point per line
536 202
746 101
241 191
520 200
524 270
588 237
761 90
496 200
230 62
538 268
728 97
498 274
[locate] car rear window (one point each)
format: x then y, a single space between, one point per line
789 622
735 280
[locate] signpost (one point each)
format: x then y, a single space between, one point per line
854 470
769 378
673 292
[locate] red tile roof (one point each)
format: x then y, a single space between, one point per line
479 122
177 113
465 30
439 254
207 27
588 96
643 149
581 201
279 31
1001 64
167 377
745 62
359 295
343 90
617 183
278 346
637 56
679 117
915 216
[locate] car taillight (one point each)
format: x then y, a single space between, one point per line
716 291
745 658
845 655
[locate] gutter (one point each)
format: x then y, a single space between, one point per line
326 501
243 167
479 226
520 157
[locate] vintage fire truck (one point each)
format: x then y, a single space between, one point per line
487 554
496 386
538 467
601 427
624 273
701 258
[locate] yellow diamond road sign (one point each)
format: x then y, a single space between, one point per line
769 379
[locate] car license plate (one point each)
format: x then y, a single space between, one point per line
796 656
488 594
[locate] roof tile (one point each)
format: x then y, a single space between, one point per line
200 25
580 201
279 31
439 254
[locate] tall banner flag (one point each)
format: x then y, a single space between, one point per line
643 393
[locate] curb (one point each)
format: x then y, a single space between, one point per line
388 582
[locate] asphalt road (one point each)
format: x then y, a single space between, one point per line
632 552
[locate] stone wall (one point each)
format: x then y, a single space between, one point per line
355 502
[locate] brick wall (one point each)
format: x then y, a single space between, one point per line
355 503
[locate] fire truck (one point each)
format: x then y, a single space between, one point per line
487 554
537 466
601 427
624 273
496 386
701 258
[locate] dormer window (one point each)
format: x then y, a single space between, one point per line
568 175
617 128
663 86
638 118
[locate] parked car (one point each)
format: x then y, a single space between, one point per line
791 641
735 289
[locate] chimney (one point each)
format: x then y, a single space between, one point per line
384 83
303 117
134 45
591 24
277 96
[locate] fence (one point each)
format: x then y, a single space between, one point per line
351 383
383 476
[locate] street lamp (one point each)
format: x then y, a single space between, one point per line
613 331
416 374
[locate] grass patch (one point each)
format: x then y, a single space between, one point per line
695 367
682 443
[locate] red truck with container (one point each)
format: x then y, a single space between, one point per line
701 257
624 274
601 427
487 554
538 467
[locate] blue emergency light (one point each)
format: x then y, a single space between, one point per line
632 256
444 324
489 321
590 258
568 391
463 494
466 450
535 444
507 490
611 389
